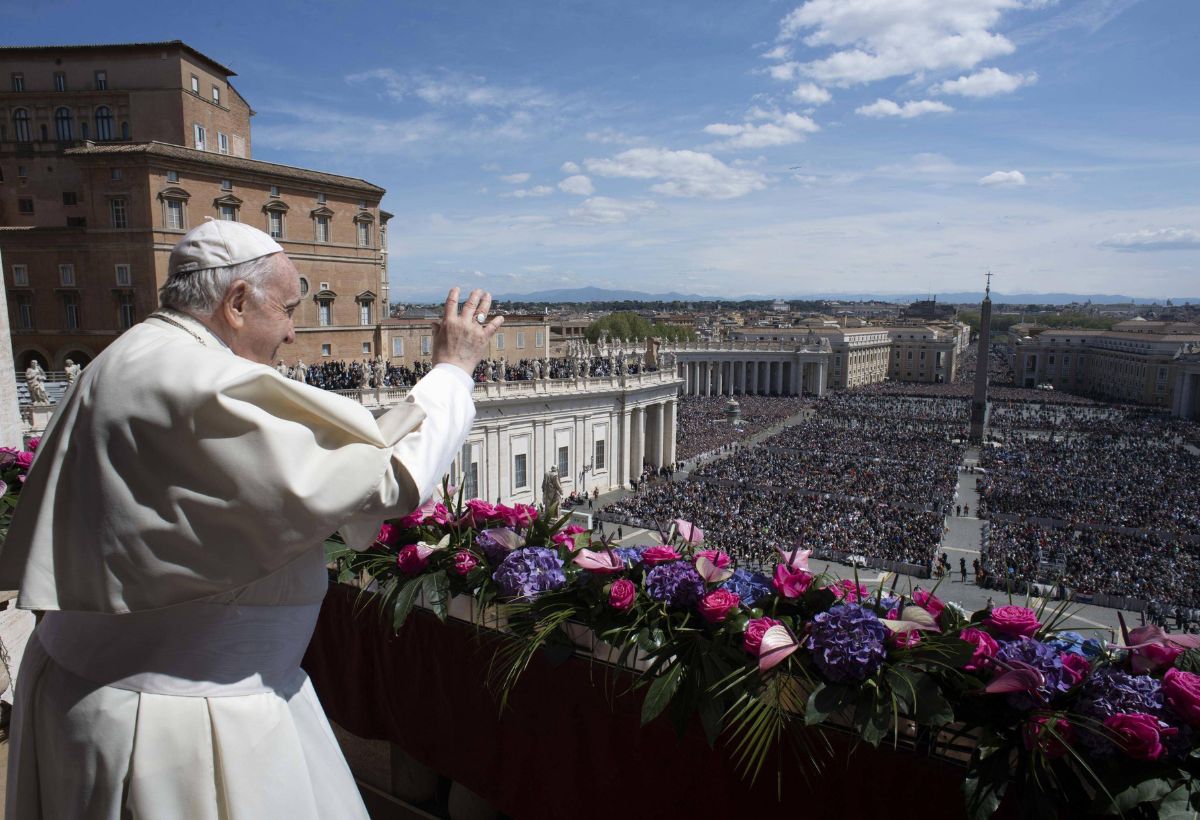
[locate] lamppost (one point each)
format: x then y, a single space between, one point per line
583 471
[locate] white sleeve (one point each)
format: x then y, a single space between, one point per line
421 458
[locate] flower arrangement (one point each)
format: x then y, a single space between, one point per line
1058 720
14 466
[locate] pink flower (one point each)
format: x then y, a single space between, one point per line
1181 691
795 558
1153 657
1075 668
464 562
413 558
689 532
929 602
904 640
518 515
755 628
1036 734
846 590
653 556
574 529
564 539
1139 735
440 515
1013 621
24 459
388 535
479 513
791 583
716 605
33 444
622 594
719 559
985 648
429 511
604 562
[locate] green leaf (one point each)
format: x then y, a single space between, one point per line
650 640
1150 790
985 784
437 593
920 696
711 719
825 700
404 601
660 693
1189 661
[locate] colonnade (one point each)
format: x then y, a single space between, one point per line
651 436
764 377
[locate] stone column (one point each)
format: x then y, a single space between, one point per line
821 373
720 377
624 453
654 441
637 439
10 412
669 411
779 378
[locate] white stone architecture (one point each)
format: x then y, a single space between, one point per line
1186 403
778 368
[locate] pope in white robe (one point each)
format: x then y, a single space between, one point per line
172 530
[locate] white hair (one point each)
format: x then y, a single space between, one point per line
201 291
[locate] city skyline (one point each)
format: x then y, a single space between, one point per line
782 148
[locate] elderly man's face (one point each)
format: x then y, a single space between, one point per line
268 317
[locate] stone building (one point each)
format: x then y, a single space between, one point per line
409 340
108 154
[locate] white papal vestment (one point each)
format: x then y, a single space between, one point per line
172 526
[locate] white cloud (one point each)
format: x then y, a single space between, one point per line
779 52
578 185
784 71
779 128
926 164
603 210
450 88
811 93
515 179
1004 179
611 136
910 109
524 193
683 173
569 167
874 40
986 83
1155 239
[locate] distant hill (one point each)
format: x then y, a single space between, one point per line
604 295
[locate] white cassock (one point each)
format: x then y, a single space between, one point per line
172 527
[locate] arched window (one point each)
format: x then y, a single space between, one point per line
21 125
104 123
62 124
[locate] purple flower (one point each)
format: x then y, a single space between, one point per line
847 643
497 543
1042 657
629 555
527 573
1110 692
749 586
675 583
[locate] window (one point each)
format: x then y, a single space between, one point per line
362 204
274 190
195 84
62 124
116 174
303 286
21 132
71 308
320 199
520 341
222 143
366 348
22 172
104 123
120 217
70 198
227 185
564 462
364 313
172 176
275 225
60 81
397 345
499 341
24 206
537 339
198 136
125 314
364 234
101 80
175 214
66 276
18 82
324 286
322 228
20 275
124 279
325 313
229 213
426 345
520 476
25 312
470 471
216 92
326 349
598 457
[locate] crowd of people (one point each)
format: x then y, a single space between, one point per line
702 427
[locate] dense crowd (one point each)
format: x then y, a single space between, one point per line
563 367
702 426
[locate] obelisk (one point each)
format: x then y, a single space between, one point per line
979 404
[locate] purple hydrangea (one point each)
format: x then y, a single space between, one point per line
1042 657
675 583
629 555
527 573
498 543
847 642
751 587
1110 692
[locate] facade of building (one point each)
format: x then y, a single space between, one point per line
407 341
109 154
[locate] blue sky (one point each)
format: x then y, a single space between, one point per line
773 148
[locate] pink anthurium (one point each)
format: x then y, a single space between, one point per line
794 558
688 531
604 562
1017 676
1152 648
777 644
913 617
710 572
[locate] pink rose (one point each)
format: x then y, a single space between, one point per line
716 605
563 539
479 513
518 515
846 590
1181 691
985 648
1013 621
33 444
1154 656
1036 734
464 562
622 594
755 629
791 583
388 535
574 529
1075 668
1139 735
413 558
719 559
904 640
440 515
24 459
653 556
928 602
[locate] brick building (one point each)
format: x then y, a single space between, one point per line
108 154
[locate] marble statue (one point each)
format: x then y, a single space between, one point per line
651 357
502 368
283 369
72 370
379 370
35 380
551 488
300 373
